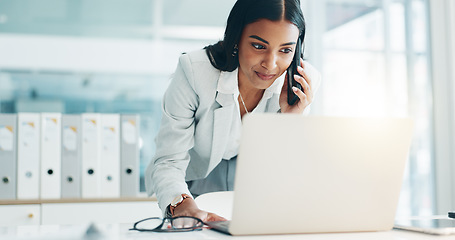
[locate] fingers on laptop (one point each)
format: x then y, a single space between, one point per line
211 217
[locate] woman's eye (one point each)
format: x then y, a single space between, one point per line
257 46
286 50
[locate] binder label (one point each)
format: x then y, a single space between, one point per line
70 138
109 143
129 131
6 138
90 132
29 134
51 129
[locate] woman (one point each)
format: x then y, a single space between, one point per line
213 89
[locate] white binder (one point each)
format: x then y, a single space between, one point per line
110 155
71 156
28 156
51 132
90 155
8 149
129 161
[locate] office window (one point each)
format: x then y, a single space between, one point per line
374 58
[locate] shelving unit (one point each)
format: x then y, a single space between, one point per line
76 56
77 211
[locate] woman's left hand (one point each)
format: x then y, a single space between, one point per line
305 96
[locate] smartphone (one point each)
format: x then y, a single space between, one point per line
291 71
430 226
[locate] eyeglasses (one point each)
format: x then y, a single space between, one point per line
175 224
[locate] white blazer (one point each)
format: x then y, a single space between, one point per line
195 125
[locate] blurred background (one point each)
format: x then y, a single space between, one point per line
377 58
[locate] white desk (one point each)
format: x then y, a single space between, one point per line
120 232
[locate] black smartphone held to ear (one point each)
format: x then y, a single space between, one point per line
291 71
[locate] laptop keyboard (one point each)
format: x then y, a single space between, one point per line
224 224
220 225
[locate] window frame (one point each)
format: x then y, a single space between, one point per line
442 28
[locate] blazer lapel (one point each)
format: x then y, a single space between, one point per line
222 118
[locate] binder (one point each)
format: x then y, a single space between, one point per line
129 161
90 185
28 156
51 132
71 156
110 155
8 149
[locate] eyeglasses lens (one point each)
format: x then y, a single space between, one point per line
149 224
185 223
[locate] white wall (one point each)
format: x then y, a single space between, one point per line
83 54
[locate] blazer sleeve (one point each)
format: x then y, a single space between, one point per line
165 174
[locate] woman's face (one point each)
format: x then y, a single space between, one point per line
266 50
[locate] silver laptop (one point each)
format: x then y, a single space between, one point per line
299 174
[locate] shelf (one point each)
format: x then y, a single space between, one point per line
78 200
77 211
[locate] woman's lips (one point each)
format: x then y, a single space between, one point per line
265 77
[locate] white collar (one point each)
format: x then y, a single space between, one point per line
229 84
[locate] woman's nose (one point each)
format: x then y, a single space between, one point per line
270 61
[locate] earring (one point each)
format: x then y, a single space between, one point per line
235 51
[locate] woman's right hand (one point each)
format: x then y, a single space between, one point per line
189 208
